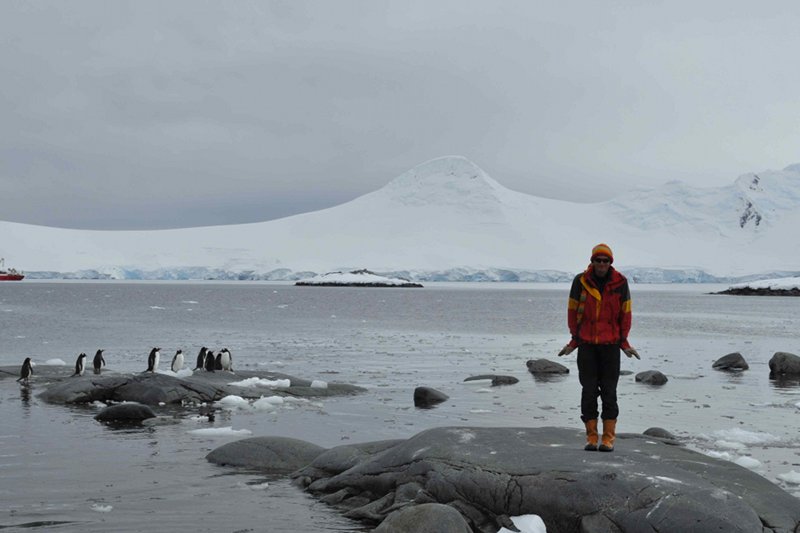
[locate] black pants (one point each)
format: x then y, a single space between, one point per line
598 372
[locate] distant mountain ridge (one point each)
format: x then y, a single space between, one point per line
448 219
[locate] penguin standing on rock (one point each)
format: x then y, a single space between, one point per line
26 371
177 361
98 361
201 359
80 364
226 360
210 362
153 359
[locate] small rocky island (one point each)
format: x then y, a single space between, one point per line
767 287
355 278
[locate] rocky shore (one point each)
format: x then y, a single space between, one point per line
488 475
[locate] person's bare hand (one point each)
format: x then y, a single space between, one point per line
566 350
631 352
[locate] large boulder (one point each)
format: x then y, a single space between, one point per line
274 455
784 364
545 366
732 361
490 474
651 377
129 412
428 397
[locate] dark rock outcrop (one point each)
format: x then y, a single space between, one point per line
274 455
150 389
125 412
428 397
496 380
489 474
201 387
784 364
760 291
651 377
142 388
732 361
545 366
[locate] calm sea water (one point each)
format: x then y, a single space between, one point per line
60 470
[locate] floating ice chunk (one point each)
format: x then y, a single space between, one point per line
790 477
102 508
745 437
267 404
725 456
748 462
219 432
319 384
529 523
61 362
730 445
233 402
260 382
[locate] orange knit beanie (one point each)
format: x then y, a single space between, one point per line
602 249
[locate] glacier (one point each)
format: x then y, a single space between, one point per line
448 220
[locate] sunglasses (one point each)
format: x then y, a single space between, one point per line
602 260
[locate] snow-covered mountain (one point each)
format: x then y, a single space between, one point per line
447 219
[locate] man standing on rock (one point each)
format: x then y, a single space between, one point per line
599 319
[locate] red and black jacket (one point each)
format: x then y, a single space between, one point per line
596 317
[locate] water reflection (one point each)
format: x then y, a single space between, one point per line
549 378
25 396
735 377
783 382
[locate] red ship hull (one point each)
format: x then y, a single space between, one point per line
5 276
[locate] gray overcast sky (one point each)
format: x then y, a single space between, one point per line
147 114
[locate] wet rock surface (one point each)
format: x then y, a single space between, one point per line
61 387
732 361
490 474
651 377
496 380
545 366
428 397
274 455
784 364
125 412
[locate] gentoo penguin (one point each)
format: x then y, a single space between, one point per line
27 371
152 360
210 362
201 359
226 360
98 361
177 361
218 362
79 365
